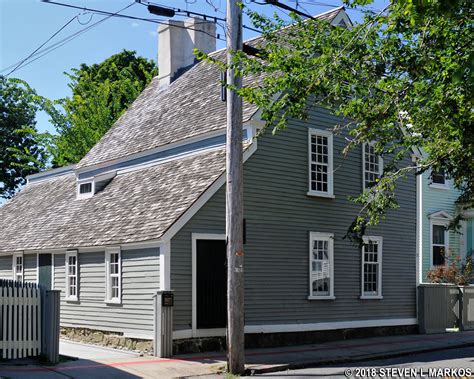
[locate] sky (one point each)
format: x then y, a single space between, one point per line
26 24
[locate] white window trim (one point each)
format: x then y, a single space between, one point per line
444 186
15 255
108 276
68 297
329 135
85 195
363 164
442 222
325 237
440 186
378 295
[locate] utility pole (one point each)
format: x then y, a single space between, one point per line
234 199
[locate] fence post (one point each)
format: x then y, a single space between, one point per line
50 335
461 308
163 324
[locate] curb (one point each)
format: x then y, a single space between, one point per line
360 358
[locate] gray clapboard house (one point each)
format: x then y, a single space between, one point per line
144 210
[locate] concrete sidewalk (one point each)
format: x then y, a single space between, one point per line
105 363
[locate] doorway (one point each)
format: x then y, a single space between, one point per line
45 270
210 282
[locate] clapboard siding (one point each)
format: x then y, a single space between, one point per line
30 270
140 281
6 271
279 217
434 200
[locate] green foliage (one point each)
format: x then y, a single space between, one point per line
22 150
402 78
100 95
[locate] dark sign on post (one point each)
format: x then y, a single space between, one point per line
167 299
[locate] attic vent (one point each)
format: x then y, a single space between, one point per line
85 188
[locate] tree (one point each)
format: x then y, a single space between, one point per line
22 151
100 94
404 77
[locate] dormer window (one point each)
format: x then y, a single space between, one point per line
89 187
85 188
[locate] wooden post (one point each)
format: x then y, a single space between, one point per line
234 200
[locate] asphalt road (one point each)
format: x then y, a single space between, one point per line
402 367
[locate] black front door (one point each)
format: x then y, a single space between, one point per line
211 284
44 270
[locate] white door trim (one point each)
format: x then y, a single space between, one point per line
195 237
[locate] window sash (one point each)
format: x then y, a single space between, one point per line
371 276
320 158
372 166
71 275
113 275
18 267
438 177
439 248
321 266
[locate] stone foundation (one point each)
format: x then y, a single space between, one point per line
109 339
265 340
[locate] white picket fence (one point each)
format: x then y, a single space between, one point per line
20 315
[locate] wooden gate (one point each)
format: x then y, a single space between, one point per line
20 319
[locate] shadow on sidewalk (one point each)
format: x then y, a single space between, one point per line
81 368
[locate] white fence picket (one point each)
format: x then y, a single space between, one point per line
20 320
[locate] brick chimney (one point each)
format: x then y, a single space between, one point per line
177 39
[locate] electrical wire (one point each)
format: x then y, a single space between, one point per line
188 13
40 46
58 44
156 21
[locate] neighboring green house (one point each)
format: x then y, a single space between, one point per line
437 207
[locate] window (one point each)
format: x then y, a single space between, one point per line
320 163
321 271
113 275
85 188
439 240
372 165
17 266
372 268
438 179
71 275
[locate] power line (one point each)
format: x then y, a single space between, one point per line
40 46
58 44
98 11
190 13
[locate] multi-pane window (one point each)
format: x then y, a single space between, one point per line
321 285
438 244
17 265
320 163
113 275
372 165
71 275
372 267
